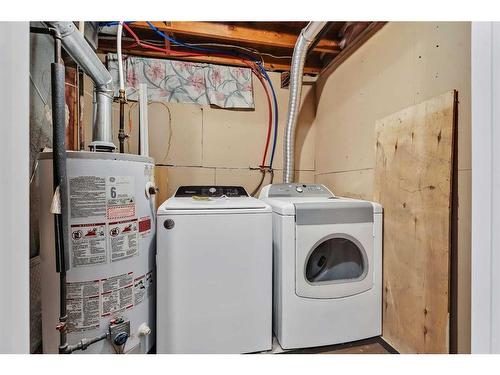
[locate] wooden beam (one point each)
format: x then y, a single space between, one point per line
271 66
236 33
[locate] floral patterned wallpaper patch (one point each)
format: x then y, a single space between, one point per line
185 82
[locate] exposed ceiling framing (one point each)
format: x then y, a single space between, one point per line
274 41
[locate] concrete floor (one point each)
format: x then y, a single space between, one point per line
369 346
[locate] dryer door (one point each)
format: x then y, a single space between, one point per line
334 249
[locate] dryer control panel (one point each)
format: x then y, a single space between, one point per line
299 190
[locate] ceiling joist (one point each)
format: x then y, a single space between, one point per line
271 42
238 34
271 66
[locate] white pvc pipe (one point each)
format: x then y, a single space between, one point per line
143 120
119 55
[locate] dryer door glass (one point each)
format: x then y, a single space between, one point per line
336 260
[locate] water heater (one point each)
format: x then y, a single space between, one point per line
111 236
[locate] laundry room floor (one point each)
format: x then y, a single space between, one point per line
369 346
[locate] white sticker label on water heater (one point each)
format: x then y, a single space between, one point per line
123 242
140 289
88 244
117 293
87 197
120 197
83 305
143 287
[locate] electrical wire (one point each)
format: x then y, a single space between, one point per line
243 58
269 127
247 49
170 132
35 168
155 48
256 190
169 141
247 57
130 108
275 117
255 66
37 90
76 87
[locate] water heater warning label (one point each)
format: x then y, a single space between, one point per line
123 240
88 244
83 305
143 287
87 197
96 197
103 223
117 293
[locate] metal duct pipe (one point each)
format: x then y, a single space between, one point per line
306 38
78 48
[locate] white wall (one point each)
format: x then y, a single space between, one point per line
485 187
14 196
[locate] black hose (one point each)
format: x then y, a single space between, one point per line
60 188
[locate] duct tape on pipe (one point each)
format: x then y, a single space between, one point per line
55 207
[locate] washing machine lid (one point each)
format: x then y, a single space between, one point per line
212 199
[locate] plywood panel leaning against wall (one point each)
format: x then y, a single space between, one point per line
413 181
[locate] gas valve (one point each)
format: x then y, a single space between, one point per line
119 332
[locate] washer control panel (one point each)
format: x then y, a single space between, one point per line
211 191
299 190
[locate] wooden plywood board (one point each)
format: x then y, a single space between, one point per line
413 182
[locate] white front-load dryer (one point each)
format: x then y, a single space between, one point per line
214 272
327 266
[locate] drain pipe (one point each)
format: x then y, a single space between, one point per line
306 39
121 132
77 47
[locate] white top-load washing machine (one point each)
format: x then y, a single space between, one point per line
327 266
214 272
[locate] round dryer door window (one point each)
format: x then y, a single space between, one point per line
336 264
336 260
